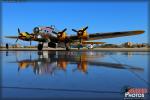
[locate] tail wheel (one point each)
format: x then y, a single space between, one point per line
40 47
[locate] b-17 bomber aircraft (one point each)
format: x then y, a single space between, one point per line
53 37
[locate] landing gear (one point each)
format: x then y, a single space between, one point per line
67 46
67 49
79 46
40 47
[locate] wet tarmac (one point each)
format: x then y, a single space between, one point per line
72 74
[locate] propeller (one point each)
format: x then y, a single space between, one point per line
64 30
29 36
80 32
74 30
54 32
18 35
60 34
85 28
18 30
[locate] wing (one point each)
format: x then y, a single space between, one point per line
12 37
96 36
116 66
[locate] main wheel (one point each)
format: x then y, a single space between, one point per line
40 47
67 49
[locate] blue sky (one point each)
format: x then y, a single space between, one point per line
99 16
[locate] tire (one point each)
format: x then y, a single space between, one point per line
67 49
40 47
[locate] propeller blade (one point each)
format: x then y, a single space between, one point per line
74 30
19 34
17 39
64 30
54 32
85 28
18 30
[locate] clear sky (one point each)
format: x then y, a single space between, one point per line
99 16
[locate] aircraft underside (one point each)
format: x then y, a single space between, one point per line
53 45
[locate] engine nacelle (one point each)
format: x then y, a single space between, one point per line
82 35
62 36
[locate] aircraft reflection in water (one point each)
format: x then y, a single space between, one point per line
50 61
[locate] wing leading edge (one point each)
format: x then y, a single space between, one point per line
96 36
